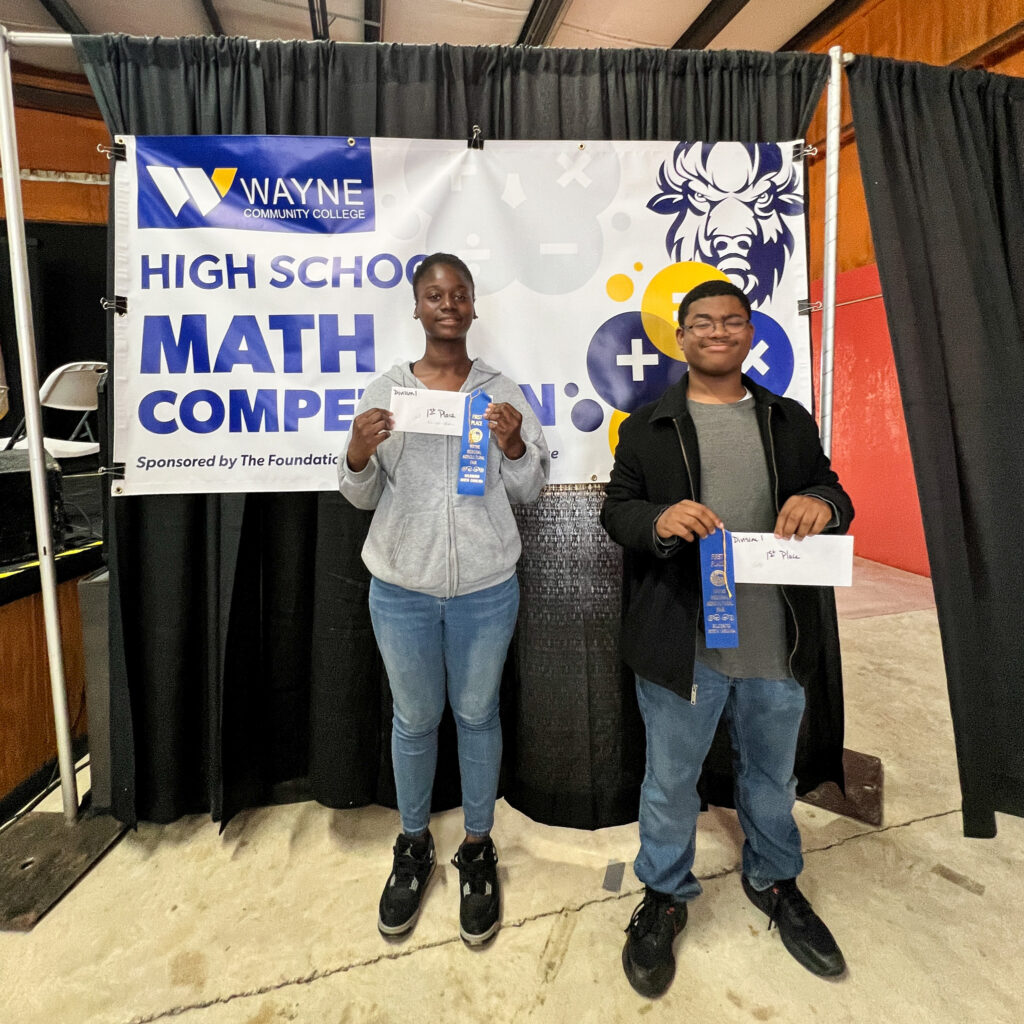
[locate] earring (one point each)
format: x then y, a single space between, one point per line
415 316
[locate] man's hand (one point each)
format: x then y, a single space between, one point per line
688 520
368 430
802 516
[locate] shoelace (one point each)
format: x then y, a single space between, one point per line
788 893
406 864
651 915
476 870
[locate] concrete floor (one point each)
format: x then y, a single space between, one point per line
275 920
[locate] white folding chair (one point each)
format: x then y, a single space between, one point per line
72 387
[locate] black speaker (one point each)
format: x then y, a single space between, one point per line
17 518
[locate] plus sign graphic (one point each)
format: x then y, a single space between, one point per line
624 367
636 358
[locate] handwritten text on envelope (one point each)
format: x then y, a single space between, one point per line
822 561
422 411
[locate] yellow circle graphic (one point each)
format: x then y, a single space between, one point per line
619 287
614 423
660 305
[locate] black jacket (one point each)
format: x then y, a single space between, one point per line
657 463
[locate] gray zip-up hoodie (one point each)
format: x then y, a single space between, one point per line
424 535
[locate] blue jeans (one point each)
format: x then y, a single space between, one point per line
763 717
431 646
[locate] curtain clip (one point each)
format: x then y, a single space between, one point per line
475 141
119 304
805 307
116 151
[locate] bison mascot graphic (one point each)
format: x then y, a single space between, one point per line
730 201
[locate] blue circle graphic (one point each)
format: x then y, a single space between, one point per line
624 366
587 415
571 390
770 362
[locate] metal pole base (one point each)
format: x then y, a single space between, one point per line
42 857
863 800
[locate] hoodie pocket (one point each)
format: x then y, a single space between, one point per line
483 548
417 556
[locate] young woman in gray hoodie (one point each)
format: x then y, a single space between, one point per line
443 589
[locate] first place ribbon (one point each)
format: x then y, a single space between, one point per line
719 587
476 436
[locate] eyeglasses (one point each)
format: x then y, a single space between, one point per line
705 326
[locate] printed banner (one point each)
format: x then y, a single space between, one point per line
267 281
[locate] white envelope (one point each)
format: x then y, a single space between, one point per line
423 411
822 561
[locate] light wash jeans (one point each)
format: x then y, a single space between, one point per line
763 717
431 646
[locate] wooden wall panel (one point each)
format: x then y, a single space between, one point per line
27 735
49 141
63 202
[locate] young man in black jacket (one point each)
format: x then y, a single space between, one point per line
719 451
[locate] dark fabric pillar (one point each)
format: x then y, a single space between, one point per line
264 669
942 157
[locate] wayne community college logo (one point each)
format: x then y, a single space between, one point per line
179 184
255 183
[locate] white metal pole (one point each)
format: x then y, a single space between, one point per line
828 298
34 425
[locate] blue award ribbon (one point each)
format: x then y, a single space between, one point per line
476 437
719 586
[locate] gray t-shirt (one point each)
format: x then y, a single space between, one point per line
735 484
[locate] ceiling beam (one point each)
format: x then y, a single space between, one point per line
64 14
818 27
319 25
998 48
372 20
541 21
55 91
709 23
213 18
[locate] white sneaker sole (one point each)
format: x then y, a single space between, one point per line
400 929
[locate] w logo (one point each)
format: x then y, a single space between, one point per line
180 184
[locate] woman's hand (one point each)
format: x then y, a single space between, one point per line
368 430
505 421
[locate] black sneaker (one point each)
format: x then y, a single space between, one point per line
410 872
803 933
479 893
647 956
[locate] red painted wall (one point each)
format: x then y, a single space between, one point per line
870 451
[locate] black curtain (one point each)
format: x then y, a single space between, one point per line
242 655
942 157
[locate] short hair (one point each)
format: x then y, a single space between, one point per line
709 290
446 259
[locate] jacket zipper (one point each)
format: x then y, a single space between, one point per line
453 566
693 494
686 461
775 475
